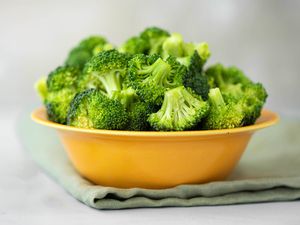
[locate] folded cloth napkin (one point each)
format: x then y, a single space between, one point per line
268 171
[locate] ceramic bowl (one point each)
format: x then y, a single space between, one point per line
149 159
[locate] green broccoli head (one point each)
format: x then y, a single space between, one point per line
193 56
92 109
181 110
154 38
253 99
237 87
61 86
135 45
63 77
139 112
223 114
151 76
57 104
229 79
105 71
195 78
175 46
41 88
88 47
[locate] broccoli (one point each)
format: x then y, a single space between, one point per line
151 76
253 99
105 71
195 78
57 104
193 56
63 77
139 113
223 115
175 46
92 109
229 80
41 88
236 86
154 38
135 45
88 47
61 86
153 81
148 42
138 110
181 110
126 96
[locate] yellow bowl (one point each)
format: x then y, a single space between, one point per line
155 160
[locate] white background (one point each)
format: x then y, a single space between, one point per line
261 37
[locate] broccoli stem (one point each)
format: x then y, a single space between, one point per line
111 82
178 103
216 98
160 72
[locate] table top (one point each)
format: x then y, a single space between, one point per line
28 196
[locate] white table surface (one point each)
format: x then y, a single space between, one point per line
28 196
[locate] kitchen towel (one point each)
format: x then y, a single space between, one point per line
268 171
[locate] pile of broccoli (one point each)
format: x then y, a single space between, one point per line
153 81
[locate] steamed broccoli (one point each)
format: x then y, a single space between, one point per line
135 45
193 56
151 76
105 71
235 85
253 99
183 51
181 110
223 115
153 81
138 110
41 88
63 77
229 80
154 37
148 42
88 47
92 109
61 86
57 104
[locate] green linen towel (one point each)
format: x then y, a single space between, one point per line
268 171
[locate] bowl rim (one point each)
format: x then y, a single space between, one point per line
267 118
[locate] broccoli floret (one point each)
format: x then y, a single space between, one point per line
127 96
253 99
57 104
63 77
154 38
41 88
138 111
92 109
223 114
61 88
229 79
175 46
135 45
195 77
105 71
151 76
193 56
237 87
181 110
88 47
